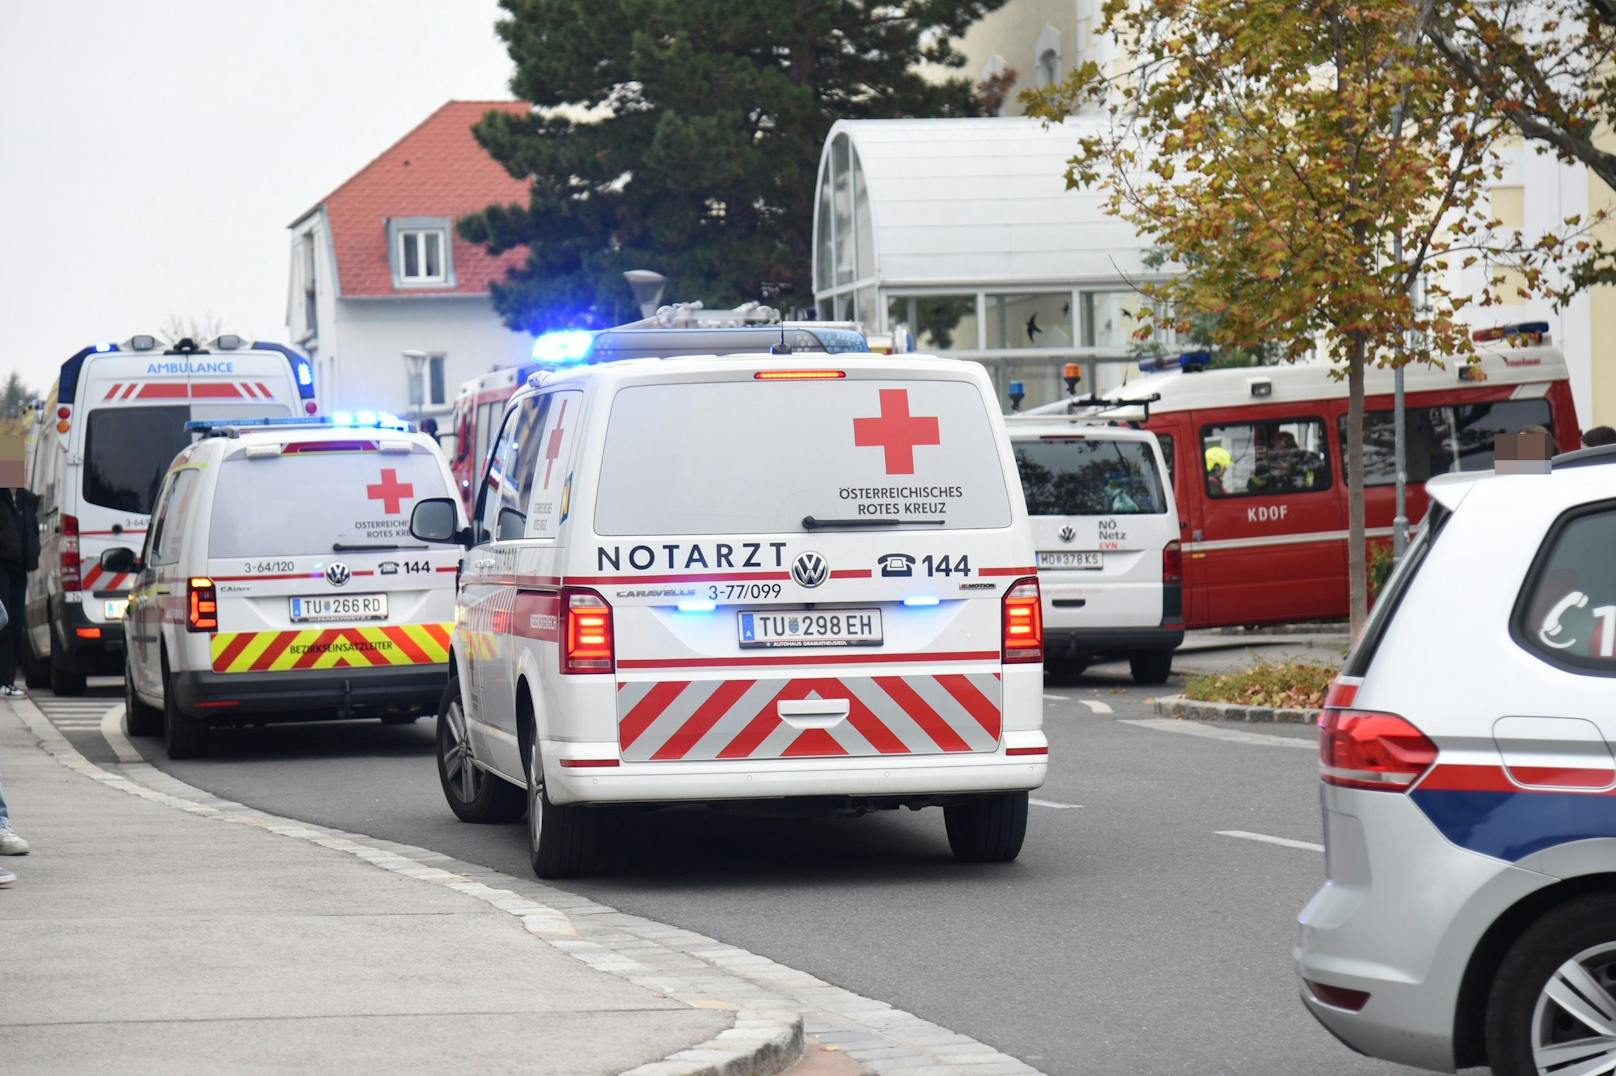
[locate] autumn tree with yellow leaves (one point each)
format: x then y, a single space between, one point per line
1306 165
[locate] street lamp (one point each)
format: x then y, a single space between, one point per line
416 360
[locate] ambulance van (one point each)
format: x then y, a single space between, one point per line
746 578
101 443
278 581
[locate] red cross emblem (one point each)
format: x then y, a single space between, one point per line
552 451
896 431
390 491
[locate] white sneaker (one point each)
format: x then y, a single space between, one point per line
11 844
12 691
6 877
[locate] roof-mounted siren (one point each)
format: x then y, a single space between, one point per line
138 342
562 347
1518 334
1017 393
226 342
1189 362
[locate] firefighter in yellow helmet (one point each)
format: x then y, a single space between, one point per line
1218 462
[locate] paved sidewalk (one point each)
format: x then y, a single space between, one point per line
141 938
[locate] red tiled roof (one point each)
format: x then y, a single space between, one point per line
437 170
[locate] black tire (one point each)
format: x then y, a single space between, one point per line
987 828
36 671
1582 929
184 736
474 794
66 682
1068 668
1150 666
560 840
142 719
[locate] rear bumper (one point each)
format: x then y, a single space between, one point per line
1071 641
309 694
102 654
878 777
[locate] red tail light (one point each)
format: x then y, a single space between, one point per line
1338 996
1023 623
1373 751
201 605
71 578
586 632
1172 562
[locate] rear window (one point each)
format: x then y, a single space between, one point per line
1567 611
127 450
745 457
1072 476
324 502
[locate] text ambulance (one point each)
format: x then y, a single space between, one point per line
100 446
751 577
1258 455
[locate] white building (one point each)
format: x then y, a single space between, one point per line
377 271
964 231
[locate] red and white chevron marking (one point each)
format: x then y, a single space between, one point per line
96 579
703 720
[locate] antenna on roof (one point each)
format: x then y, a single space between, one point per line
782 348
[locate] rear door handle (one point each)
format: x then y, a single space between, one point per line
813 713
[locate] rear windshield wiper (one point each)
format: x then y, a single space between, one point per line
344 547
809 523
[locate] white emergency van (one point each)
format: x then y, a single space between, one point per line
279 582
100 445
750 577
1107 535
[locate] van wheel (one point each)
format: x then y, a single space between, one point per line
143 720
183 735
36 671
1556 986
474 794
1150 666
66 682
559 839
987 828
1070 668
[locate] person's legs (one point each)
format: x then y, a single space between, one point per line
10 843
13 591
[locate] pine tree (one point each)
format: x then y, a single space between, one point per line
684 136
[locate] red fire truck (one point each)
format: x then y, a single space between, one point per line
1257 457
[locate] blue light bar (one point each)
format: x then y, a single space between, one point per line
386 422
106 347
690 605
1194 360
920 601
1151 364
562 347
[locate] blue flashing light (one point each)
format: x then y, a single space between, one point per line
106 347
562 347
920 601
1151 364
385 422
366 418
305 376
1194 360
343 418
691 605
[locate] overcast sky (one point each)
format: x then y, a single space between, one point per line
152 154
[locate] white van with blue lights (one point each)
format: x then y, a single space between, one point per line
99 447
750 578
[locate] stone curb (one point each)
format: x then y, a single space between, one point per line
1177 706
774 1005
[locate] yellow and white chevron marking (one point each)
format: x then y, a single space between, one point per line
331 648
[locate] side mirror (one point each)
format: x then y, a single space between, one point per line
435 520
120 560
512 525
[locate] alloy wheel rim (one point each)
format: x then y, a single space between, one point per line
1574 1022
459 768
535 797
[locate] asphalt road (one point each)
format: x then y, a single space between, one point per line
1131 936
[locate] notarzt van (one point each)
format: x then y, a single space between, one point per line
279 582
804 577
99 448
1107 536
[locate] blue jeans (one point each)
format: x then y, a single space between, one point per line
4 820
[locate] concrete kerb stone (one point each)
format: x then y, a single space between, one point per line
1184 709
771 1002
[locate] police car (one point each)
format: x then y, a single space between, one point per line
1469 788
1106 528
278 580
749 577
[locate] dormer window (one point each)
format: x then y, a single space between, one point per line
420 252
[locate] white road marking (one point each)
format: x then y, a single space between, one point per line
112 732
1095 705
1052 803
1054 698
1190 728
1284 842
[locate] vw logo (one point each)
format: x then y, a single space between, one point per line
1067 534
336 573
809 569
